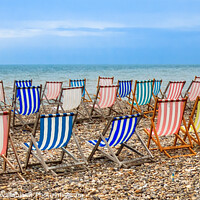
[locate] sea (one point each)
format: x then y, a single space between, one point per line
42 73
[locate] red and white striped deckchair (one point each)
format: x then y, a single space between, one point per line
2 95
174 89
52 93
169 119
193 90
103 81
5 136
107 99
197 78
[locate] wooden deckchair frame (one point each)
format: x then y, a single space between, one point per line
192 124
114 156
164 93
40 158
16 109
99 111
86 100
6 160
137 107
156 139
77 109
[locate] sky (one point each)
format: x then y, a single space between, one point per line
99 32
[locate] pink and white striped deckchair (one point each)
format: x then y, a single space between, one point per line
175 89
169 118
193 90
103 81
4 138
107 98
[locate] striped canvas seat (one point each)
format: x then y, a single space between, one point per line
125 88
53 90
55 131
157 87
23 83
174 89
194 90
121 131
105 81
169 119
78 83
71 97
29 100
5 137
2 96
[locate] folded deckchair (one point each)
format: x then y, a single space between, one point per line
55 133
143 92
194 125
20 83
5 137
80 83
106 100
51 93
157 87
2 96
26 101
70 99
174 89
193 91
121 131
169 117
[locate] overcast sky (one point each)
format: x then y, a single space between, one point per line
99 32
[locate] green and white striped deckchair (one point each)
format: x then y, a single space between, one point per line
143 92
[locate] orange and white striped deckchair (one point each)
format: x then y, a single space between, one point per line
194 126
174 90
169 119
107 99
5 136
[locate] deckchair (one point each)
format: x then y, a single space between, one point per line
174 89
5 137
194 126
55 133
143 92
104 81
107 99
197 78
78 83
70 99
157 87
125 89
169 117
51 93
28 99
20 83
2 96
122 129
193 91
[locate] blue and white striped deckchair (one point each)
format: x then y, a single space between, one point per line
125 88
157 87
122 129
28 100
55 132
142 95
23 83
80 83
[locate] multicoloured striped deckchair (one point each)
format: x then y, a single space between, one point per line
122 129
107 99
80 83
194 126
174 90
55 133
2 96
193 91
157 87
28 99
5 136
143 92
169 118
